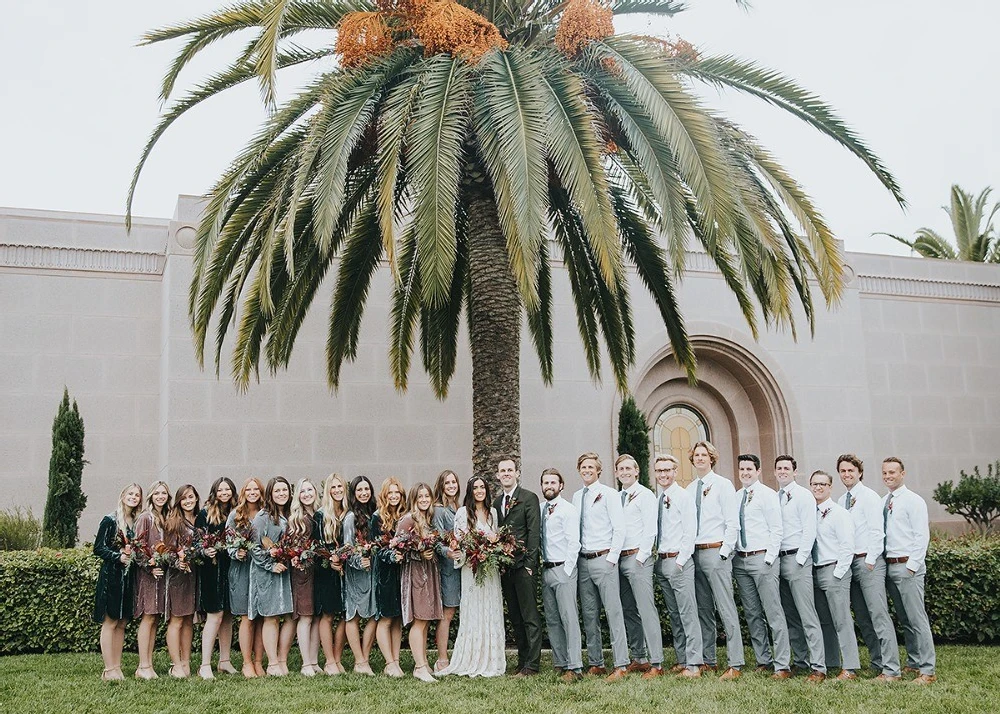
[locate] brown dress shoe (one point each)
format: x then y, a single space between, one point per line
617 675
708 667
910 670
634 666
677 669
887 678
558 670
597 670
571 676
846 674
689 673
815 677
761 668
730 674
925 679
653 673
782 674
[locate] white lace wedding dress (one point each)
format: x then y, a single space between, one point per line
480 648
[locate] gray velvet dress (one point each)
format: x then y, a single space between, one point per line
451 577
270 592
359 584
239 576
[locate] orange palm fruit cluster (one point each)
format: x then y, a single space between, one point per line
446 26
362 36
583 21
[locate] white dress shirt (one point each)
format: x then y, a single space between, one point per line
798 520
761 520
640 520
561 532
603 520
908 531
834 537
678 523
719 512
865 507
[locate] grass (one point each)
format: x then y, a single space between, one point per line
969 681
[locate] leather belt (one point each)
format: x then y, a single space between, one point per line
707 546
672 554
894 561
824 565
860 555
627 553
595 554
792 551
548 565
749 553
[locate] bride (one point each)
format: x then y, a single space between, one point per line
480 646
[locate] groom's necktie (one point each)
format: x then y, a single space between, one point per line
583 511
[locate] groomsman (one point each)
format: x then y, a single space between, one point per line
560 548
832 557
602 533
756 568
868 572
798 519
907 533
519 511
676 530
718 527
635 570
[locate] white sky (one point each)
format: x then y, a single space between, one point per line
917 79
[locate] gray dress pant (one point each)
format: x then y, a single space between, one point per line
799 604
713 584
598 585
678 593
833 604
907 592
561 618
759 593
871 611
642 622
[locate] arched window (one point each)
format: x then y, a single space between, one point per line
677 428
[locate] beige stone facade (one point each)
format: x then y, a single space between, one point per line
906 366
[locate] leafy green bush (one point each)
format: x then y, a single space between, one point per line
976 498
19 529
962 589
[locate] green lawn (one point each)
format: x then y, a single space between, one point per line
969 681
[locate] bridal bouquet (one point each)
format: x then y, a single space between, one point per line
489 554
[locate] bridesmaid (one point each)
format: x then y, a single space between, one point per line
301 526
241 519
113 600
150 585
421 583
213 579
391 507
182 586
359 578
328 592
270 585
446 504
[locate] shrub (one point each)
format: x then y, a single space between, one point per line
976 498
66 500
19 529
962 589
633 437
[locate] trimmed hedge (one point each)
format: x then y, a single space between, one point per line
47 597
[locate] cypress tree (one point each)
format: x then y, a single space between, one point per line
633 437
66 499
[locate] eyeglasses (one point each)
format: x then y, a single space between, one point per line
821 485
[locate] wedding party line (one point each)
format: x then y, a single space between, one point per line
344 566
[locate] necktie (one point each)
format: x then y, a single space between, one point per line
583 511
781 494
506 504
885 524
847 500
624 493
815 552
659 521
546 512
743 525
697 502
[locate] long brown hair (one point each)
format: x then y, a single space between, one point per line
389 514
273 509
362 511
218 512
439 497
470 502
421 519
159 515
244 507
177 524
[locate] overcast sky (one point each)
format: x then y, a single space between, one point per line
917 79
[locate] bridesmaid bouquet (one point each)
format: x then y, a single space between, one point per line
295 550
240 538
411 546
122 541
330 557
488 555
205 539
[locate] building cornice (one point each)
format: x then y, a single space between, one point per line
928 288
100 260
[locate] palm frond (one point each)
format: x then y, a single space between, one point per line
540 318
405 309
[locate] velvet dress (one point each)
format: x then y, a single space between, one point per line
451 577
182 587
150 591
302 583
239 575
388 574
115 592
270 592
359 583
328 590
213 578
420 591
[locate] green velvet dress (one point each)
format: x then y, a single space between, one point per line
388 575
213 578
328 591
115 586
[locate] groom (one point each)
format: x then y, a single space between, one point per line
518 510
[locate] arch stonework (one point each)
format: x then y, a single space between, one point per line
740 392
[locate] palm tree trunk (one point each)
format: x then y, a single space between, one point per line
495 334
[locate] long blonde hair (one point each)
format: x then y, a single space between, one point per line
388 514
300 520
421 519
333 510
243 507
159 516
126 518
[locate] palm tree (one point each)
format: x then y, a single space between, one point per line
464 144
975 236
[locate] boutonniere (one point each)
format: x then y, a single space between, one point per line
666 502
823 513
749 496
890 505
599 497
705 492
552 508
631 497
513 502
788 496
853 501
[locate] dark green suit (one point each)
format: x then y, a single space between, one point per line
524 520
